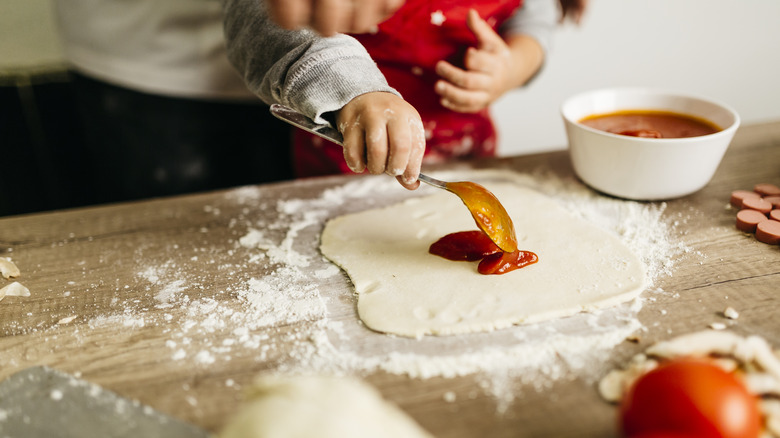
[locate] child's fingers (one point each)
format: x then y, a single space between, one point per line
376 146
461 100
409 178
407 185
487 38
355 148
462 78
482 61
400 142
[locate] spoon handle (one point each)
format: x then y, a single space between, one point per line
297 119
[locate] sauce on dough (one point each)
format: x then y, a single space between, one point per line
476 245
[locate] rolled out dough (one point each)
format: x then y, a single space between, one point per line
404 290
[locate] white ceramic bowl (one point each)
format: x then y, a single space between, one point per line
645 168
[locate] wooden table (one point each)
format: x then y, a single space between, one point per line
99 265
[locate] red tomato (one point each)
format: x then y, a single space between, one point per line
690 397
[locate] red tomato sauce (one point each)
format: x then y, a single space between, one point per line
650 124
476 245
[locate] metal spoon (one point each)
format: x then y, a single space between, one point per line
491 217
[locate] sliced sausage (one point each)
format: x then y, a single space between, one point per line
775 214
738 196
768 231
774 200
766 189
758 204
748 220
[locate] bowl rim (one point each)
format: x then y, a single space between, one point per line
658 92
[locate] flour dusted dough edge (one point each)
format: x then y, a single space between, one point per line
404 290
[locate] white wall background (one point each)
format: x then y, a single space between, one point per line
728 50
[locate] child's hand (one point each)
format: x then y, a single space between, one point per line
491 69
384 134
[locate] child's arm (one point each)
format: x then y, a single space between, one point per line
320 76
492 68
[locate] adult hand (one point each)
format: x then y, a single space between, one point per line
331 16
489 71
384 134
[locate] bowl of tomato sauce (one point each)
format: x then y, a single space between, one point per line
646 144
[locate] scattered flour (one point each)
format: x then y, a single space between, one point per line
205 357
166 295
274 279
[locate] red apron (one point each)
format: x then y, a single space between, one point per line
406 48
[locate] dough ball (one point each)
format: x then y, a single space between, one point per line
324 407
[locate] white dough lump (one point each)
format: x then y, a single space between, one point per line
322 407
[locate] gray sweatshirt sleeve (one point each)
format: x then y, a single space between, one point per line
536 18
299 69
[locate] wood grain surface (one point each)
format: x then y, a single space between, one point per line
87 264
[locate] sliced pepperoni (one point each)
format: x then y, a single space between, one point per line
774 200
775 214
748 220
738 196
766 189
768 232
758 204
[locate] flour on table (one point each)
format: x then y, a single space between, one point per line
281 303
404 290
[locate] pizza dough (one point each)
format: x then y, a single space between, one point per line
321 407
404 290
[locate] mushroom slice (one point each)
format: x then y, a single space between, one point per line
14 289
8 269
